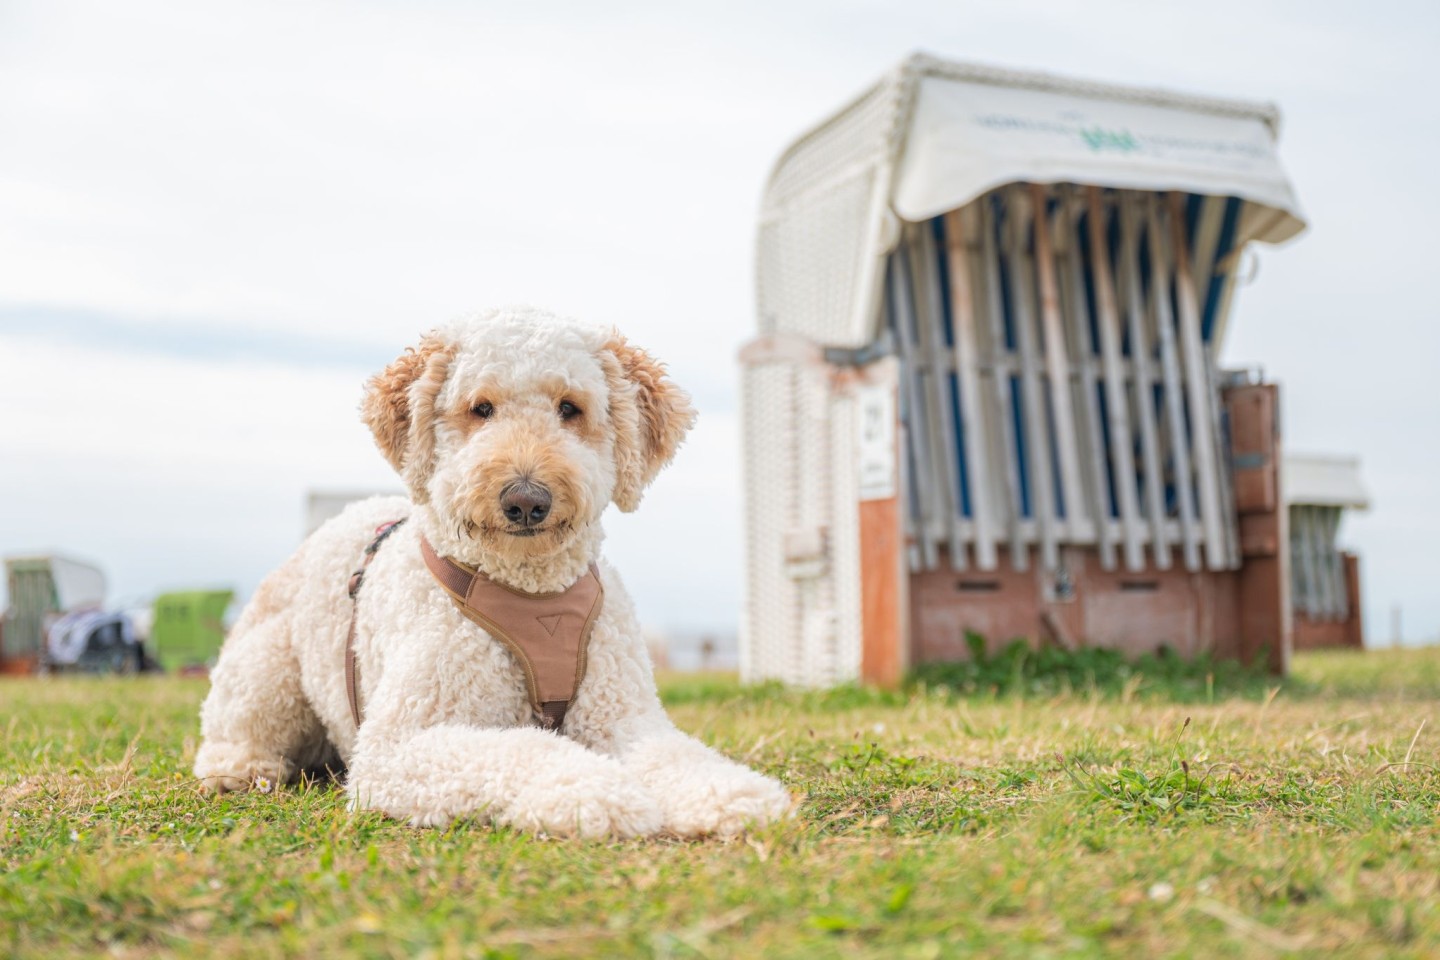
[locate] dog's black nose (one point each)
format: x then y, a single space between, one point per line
526 503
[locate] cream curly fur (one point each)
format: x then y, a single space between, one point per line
447 728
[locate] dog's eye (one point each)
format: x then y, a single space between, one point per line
568 410
484 410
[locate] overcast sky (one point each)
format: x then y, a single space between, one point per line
216 220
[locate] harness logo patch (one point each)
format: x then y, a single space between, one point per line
550 623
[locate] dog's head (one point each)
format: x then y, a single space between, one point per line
519 427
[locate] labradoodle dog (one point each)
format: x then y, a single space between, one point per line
513 431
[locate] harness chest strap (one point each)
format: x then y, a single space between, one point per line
547 632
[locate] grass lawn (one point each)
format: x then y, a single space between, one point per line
1147 819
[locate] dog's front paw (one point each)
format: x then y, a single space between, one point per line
724 801
223 767
597 807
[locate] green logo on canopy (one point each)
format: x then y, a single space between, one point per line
1098 139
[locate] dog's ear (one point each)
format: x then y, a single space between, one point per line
399 408
650 413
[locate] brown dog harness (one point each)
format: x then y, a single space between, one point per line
352 685
548 633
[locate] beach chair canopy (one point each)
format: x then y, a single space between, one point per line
933 136
1324 481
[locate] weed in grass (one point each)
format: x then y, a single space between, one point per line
1147 798
1017 669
